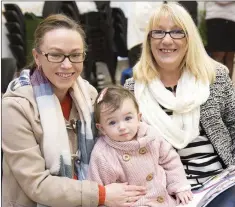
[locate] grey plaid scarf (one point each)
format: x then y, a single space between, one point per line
58 158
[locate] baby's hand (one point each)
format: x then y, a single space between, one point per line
184 197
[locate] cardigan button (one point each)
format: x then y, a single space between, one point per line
149 177
160 199
142 150
126 157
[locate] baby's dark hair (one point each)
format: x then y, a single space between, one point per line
112 97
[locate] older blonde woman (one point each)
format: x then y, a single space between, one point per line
187 96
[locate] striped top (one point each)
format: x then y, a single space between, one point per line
199 157
217 114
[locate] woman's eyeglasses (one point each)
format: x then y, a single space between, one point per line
160 34
59 57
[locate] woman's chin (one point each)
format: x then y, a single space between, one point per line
169 66
63 86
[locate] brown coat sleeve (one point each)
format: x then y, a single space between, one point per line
23 156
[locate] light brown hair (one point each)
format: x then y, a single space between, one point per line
113 97
53 22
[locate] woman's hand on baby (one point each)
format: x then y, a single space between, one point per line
184 197
122 194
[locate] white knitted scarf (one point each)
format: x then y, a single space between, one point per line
183 126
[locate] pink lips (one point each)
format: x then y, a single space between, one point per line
123 135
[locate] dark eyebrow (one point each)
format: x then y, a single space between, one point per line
60 50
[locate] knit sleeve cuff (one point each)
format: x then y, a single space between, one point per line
177 187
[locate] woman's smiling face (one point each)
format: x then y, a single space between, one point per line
60 41
168 52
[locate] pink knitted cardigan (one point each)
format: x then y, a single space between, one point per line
148 161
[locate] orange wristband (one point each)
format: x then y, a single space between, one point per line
101 194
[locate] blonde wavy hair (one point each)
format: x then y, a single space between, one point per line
196 59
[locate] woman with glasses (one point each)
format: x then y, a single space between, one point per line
187 96
48 128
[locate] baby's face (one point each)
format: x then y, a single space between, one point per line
121 125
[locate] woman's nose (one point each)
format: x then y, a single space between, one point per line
167 39
66 63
